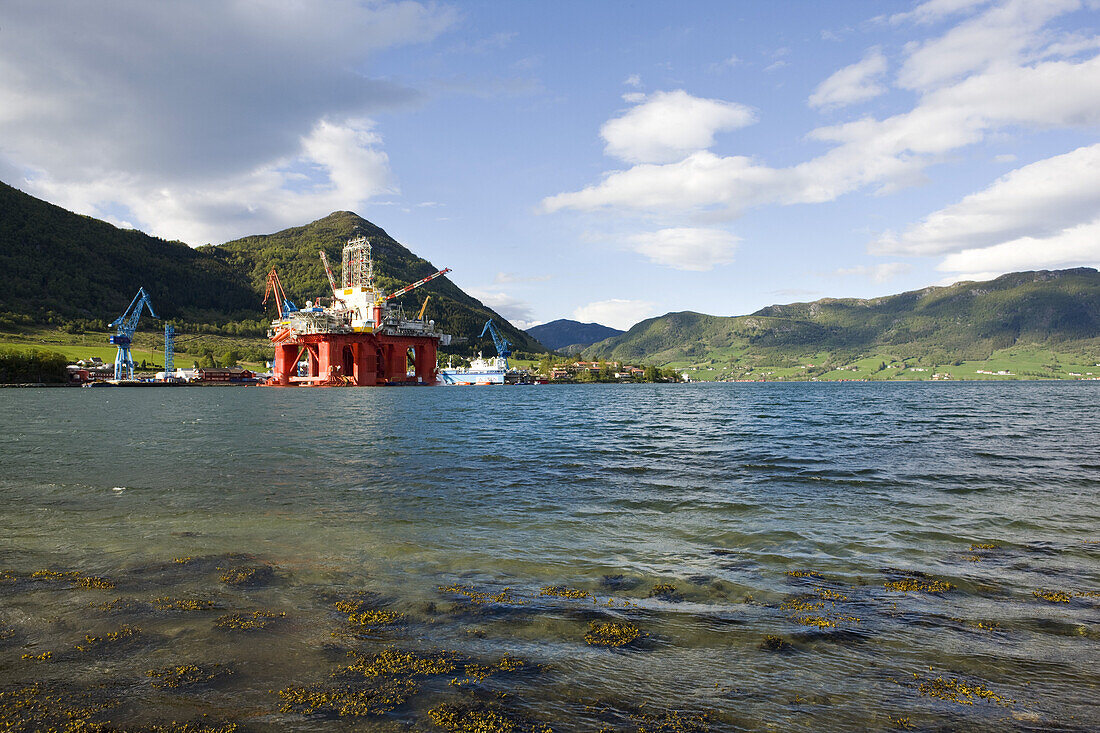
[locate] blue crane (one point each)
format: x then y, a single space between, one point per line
499 341
127 324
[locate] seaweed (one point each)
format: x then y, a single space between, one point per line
482 716
372 621
247 576
1052 596
956 690
672 721
803 574
476 672
75 577
371 685
43 657
918 584
347 701
125 636
168 603
391 662
35 707
612 633
665 592
249 620
562 591
773 643
187 675
477 597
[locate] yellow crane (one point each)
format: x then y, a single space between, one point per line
420 315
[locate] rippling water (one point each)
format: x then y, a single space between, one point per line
772 510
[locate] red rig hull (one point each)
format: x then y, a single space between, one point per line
354 359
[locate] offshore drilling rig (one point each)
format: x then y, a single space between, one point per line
358 338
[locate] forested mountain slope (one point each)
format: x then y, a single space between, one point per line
965 320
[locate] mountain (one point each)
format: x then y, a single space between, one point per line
967 320
564 334
52 260
294 253
58 267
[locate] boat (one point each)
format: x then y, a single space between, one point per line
481 371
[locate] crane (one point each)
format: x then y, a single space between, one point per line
499 341
414 286
331 279
169 350
274 285
420 315
127 324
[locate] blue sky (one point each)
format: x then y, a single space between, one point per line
600 161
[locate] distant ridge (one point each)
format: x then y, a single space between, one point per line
57 265
965 320
572 336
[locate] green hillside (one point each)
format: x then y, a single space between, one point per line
61 269
58 265
967 321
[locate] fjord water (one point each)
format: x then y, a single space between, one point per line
756 502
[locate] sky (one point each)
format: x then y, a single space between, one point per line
603 161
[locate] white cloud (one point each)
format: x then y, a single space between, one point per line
272 196
934 10
665 126
1073 247
968 277
686 248
876 273
1005 158
1007 79
1036 201
856 83
889 153
219 119
633 81
996 38
617 313
518 312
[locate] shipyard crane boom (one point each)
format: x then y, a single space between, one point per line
328 271
415 285
126 324
501 343
274 285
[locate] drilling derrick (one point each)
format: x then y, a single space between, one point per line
362 339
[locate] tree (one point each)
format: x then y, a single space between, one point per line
650 374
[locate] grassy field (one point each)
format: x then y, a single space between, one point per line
147 346
1017 362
